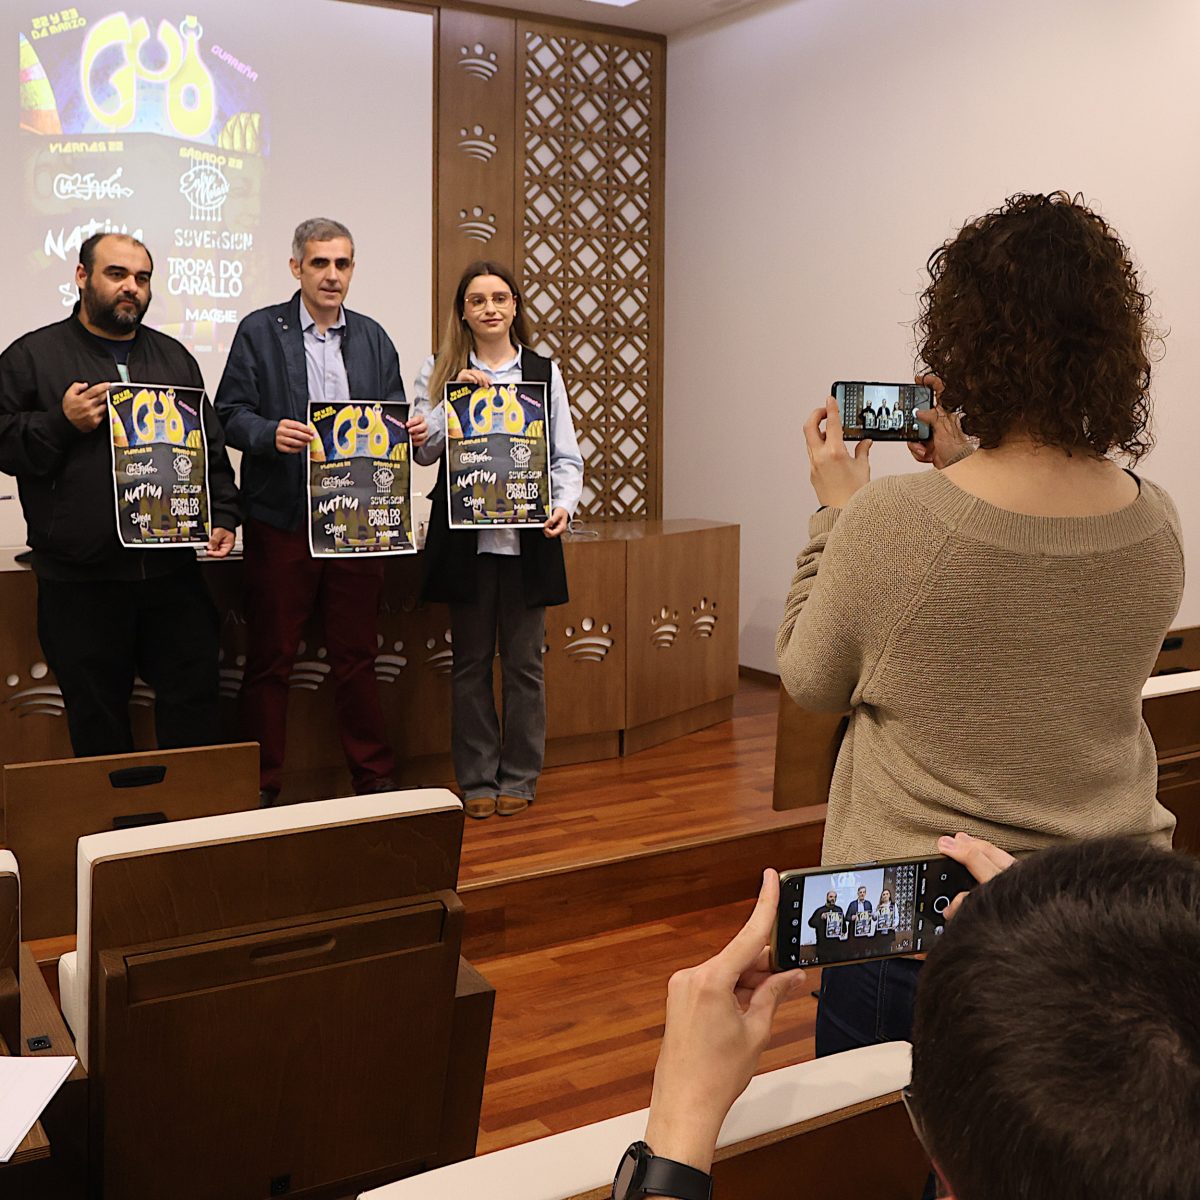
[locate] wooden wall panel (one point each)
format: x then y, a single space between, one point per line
590 112
683 620
475 148
549 156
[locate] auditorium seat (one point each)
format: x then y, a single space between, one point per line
833 1126
277 996
10 951
1171 706
48 806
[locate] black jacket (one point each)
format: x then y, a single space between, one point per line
65 476
266 380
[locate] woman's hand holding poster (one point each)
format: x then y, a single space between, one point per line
359 479
497 455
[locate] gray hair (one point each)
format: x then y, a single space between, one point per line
318 229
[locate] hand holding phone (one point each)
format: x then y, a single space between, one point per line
865 911
945 443
836 474
980 857
718 1023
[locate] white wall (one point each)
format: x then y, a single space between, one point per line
818 151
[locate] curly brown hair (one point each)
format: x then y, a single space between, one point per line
1035 322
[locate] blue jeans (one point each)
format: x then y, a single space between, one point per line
863 1004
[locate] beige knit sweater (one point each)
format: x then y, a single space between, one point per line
993 661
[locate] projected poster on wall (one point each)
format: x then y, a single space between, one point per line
152 124
210 129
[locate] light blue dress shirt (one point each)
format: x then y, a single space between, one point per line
327 381
566 463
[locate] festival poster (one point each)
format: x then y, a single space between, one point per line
359 479
160 465
497 455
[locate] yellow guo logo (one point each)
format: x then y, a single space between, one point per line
359 432
156 418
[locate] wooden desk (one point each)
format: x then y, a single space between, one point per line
55 1166
646 650
34 1146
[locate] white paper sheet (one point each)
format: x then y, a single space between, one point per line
27 1085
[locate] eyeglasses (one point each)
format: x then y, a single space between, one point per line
906 1094
498 300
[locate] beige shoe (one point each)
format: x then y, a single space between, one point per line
507 806
480 807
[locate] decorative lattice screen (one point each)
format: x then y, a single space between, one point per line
590 238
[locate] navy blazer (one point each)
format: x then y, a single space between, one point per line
266 380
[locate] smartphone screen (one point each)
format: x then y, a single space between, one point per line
873 910
883 411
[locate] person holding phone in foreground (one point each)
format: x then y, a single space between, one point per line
990 623
1099 939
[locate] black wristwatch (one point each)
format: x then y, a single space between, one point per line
641 1174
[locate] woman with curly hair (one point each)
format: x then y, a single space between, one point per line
992 651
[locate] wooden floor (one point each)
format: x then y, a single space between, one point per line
577 1024
577 1027
711 784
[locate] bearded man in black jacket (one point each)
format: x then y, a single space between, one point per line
107 613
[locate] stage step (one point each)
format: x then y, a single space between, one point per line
681 827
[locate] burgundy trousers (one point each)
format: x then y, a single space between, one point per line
284 586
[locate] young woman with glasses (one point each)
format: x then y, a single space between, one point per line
497 582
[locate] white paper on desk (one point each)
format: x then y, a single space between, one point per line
27 1085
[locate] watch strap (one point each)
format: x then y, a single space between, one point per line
666 1177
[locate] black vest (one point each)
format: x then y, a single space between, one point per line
451 554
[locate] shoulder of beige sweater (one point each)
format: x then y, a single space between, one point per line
1156 494
884 531
890 499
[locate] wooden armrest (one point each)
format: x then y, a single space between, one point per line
10 1007
40 1016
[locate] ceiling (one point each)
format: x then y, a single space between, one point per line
652 16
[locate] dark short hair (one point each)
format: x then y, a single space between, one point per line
1035 320
1056 1043
318 229
87 251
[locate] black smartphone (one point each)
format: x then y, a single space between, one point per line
870 910
882 411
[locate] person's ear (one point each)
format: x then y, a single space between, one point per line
295 268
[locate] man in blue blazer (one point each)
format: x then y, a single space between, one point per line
310 348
